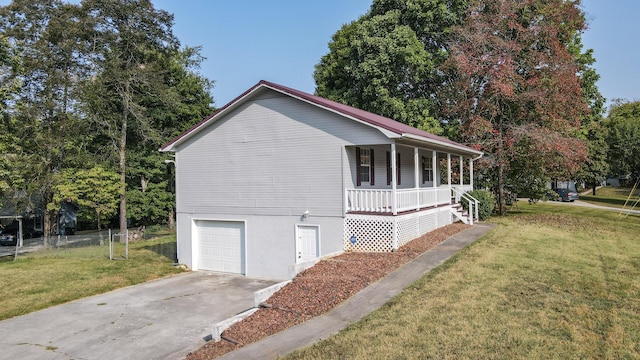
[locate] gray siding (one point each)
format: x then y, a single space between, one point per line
407 174
270 241
272 156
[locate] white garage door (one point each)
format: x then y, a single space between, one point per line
221 246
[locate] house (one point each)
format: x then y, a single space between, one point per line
278 178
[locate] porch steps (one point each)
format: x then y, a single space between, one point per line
460 213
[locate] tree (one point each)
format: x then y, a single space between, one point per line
623 138
596 166
150 197
132 44
9 71
86 85
47 35
513 87
94 191
9 86
387 61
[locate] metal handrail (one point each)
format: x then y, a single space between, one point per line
473 202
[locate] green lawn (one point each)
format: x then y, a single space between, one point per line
46 278
613 197
550 282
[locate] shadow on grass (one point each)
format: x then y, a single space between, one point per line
607 201
168 250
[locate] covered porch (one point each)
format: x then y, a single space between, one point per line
417 178
399 191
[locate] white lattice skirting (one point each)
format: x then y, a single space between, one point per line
377 233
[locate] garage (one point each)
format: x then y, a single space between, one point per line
221 246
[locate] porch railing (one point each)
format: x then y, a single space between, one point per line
381 200
462 193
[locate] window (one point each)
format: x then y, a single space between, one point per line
427 170
364 166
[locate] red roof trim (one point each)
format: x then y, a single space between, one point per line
368 117
365 116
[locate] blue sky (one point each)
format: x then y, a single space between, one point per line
245 41
282 40
614 35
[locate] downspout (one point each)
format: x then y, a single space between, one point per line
471 160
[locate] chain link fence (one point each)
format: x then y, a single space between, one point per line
98 244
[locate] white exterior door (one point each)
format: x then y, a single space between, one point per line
307 242
221 246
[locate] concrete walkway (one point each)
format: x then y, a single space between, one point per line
361 304
161 319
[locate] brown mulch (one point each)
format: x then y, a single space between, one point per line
319 289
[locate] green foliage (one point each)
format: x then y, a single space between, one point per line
47 37
387 61
94 190
597 166
486 202
623 124
100 82
9 69
150 197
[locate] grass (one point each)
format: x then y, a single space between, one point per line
46 278
550 282
612 197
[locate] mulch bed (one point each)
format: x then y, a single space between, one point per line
318 290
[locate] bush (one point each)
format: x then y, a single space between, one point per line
486 203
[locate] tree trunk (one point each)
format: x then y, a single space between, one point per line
594 188
123 167
502 205
46 229
172 218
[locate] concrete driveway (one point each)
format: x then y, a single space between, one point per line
161 319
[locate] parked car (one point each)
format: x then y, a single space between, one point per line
9 235
567 195
8 239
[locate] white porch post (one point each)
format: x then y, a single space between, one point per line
416 175
394 180
461 171
471 173
449 175
434 166
449 170
434 169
